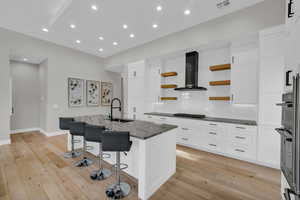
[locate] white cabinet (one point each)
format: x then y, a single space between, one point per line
136 90
244 73
243 141
269 146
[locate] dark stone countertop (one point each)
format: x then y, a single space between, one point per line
138 129
212 119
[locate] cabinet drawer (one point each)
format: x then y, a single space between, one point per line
245 139
184 137
213 145
242 151
244 129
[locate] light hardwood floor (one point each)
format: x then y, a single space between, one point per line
33 168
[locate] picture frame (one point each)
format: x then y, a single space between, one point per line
106 93
92 93
76 95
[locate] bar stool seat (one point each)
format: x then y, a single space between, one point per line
94 134
117 142
64 124
78 129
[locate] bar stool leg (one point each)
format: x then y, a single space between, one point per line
102 173
120 189
85 162
72 153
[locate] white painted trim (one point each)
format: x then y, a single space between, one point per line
24 130
56 133
3 142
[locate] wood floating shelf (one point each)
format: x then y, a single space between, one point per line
167 86
219 98
167 74
168 98
216 83
220 67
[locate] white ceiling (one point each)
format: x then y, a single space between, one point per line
31 16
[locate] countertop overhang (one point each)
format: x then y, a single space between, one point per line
138 129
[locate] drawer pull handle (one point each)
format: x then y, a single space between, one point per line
185 129
149 117
185 139
163 118
238 137
240 150
239 127
213 145
212 133
213 124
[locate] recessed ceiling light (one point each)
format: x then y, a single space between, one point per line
132 35
72 26
158 8
25 59
187 12
94 7
101 38
45 30
100 49
154 26
125 26
115 43
78 41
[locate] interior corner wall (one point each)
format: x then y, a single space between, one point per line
249 20
62 63
4 92
43 83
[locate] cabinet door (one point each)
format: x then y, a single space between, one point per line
154 84
268 146
244 75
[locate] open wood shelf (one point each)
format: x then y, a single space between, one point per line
216 83
167 74
168 98
167 86
219 98
220 67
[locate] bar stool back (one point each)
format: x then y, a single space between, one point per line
64 124
117 142
78 129
94 134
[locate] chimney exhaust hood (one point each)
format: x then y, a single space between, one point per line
191 73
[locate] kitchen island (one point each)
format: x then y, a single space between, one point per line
152 158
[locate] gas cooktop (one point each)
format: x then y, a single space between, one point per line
189 115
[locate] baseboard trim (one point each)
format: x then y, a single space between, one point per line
25 130
51 134
3 142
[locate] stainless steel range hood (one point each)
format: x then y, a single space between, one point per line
191 73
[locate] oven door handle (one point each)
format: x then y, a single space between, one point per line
283 132
284 104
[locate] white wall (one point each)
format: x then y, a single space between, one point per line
43 86
26 95
62 63
266 14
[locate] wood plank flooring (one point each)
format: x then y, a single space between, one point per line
33 168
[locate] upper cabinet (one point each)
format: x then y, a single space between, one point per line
244 68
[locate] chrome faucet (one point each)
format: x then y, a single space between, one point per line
112 107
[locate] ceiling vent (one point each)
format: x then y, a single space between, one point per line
222 3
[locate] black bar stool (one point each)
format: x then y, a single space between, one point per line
78 129
117 142
64 124
94 134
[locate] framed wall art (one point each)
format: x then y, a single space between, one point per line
75 92
106 93
92 93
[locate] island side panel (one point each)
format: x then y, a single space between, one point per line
157 162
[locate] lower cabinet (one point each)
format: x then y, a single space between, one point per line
232 140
